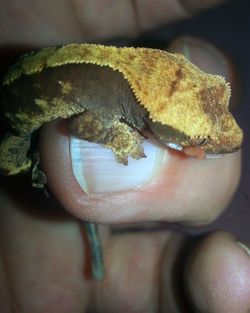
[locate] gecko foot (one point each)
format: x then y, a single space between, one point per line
118 136
125 142
38 178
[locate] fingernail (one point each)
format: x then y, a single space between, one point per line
244 247
97 171
203 54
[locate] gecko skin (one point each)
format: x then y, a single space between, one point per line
115 93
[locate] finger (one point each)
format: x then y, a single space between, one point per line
43 258
133 267
217 275
151 267
134 16
154 13
42 23
164 186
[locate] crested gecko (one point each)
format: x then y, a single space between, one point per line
111 95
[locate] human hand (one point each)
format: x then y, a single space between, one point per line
44 254
43 23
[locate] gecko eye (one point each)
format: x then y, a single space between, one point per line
199 141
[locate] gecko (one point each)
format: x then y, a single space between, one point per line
110 95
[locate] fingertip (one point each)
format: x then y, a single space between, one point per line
217 275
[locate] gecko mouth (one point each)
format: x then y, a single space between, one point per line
196 152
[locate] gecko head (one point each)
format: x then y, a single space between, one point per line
202 123
200 146
189 111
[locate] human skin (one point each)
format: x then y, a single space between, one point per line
43 260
